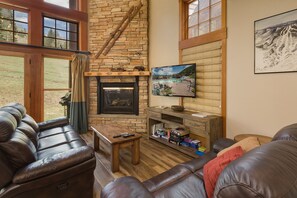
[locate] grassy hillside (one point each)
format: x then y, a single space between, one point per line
12 83
11 79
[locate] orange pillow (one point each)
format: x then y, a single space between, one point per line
213 168
246 144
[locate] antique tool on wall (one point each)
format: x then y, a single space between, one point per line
115 35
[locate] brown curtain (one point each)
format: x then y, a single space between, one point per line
78 106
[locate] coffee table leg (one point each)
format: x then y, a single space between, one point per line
115 161
96 141
135 152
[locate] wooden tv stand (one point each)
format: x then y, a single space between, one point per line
207 129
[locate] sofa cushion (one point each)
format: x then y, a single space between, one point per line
30 121
19 107
213 168
19 150
14 112
28 131
8 125
58 139
6 171
55 131
246 144
60 148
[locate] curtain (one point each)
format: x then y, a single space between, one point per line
78 106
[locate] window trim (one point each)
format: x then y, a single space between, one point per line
186 42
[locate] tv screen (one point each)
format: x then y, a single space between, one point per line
175 80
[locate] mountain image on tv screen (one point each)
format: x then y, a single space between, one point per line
176 80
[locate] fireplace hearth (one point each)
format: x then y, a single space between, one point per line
118 98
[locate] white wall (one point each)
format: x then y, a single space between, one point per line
256 103
163 41
261 103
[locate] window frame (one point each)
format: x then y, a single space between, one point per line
55 29
34 52
199 23
13 25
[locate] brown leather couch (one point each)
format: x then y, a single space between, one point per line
267 171
47 159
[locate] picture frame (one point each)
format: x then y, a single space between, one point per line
275 43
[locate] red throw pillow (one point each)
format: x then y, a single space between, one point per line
213 168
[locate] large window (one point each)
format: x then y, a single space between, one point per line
204 16
60 34
56 85
13 26
11 79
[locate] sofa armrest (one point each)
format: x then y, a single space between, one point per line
198 163
57 122
221 144
125 187
53 164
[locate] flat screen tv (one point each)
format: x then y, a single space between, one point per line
175 80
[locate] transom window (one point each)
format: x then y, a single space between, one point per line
204 16
13 26
63 3
60 34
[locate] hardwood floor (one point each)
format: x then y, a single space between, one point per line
155 158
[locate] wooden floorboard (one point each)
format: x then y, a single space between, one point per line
155 158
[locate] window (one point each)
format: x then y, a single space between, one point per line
56 85
204 16
63 3
11 79
13 26
60 34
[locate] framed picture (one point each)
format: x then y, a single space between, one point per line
275 44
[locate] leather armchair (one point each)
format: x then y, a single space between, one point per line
47 159
267 171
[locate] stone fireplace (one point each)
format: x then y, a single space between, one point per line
129 50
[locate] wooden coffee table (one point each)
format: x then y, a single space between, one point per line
106 132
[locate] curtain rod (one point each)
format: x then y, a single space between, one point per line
83 52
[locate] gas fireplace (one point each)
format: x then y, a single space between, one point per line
118 98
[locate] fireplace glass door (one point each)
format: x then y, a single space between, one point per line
118 98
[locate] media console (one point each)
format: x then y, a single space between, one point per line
206 129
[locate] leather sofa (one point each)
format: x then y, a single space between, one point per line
266 171
47 159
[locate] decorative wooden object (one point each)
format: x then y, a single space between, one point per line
207 129
115 35
106 133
